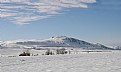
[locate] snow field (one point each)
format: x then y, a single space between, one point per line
83 62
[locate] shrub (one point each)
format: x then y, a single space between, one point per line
48 52
25 53
61 51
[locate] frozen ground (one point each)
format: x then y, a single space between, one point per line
82 62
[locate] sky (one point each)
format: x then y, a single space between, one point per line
95 21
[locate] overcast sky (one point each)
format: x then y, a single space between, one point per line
95 21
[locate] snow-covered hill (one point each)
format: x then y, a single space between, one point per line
58 41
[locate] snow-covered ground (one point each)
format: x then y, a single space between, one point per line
81 62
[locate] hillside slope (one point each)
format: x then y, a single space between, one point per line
58 41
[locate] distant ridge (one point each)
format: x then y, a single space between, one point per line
55 41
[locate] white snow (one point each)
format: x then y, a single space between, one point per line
95 57
81 62
57 41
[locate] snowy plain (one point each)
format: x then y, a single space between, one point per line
109 61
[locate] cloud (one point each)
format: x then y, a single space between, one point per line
107 4
25 11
